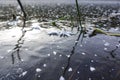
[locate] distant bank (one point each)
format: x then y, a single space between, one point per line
41 2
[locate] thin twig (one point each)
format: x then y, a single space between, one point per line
24 14
20 41
80 36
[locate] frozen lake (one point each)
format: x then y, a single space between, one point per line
46 57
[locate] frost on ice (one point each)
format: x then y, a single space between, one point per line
62 78
89 79
95 55
92 68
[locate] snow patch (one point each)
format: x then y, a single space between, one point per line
2 57
106 44
89 79
62 78
38 70
68 56
23 74
9 50
44 65
78 72
48 54
92 68
105 49
92 61
70 69
83 53
54 52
